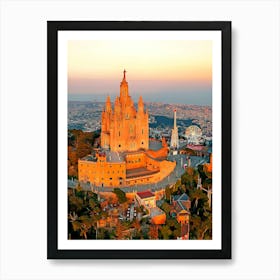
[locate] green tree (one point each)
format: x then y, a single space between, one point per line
93 203
80 144
165 232
104 234
166 207
75 204
80 224
175 227
201 172
153 232
120 194
168 192
198 198
201 228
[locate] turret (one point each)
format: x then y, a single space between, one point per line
108 107
140 105
117 106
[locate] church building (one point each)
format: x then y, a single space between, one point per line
124 158
123 128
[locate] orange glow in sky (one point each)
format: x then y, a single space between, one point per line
172 60
96 66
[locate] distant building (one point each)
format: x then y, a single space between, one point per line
181 205
146 199
193 130
181 202
194 135
158 217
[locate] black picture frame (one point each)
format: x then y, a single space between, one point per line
52 88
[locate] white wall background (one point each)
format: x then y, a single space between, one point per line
255 127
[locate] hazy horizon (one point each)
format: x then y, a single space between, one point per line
180 99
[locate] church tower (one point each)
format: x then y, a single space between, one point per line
105 124
124 128
143 129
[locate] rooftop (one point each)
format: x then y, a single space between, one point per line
114 156
196 147
155 145
139 172
89 158
141 151
181 197
180 201
145 194
179 206
155 211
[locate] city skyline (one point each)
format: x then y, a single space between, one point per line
170 71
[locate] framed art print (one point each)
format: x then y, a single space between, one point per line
139 140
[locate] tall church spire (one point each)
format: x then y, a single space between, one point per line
124 89
124 71
140 102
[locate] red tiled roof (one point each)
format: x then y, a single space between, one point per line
196 147
145 194
139 172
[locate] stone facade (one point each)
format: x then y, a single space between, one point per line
123 128
132 168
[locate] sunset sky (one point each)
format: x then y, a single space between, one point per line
166 71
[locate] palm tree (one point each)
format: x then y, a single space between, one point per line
83 230
73 217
